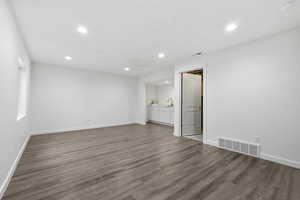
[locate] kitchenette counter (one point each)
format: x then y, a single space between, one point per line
162 114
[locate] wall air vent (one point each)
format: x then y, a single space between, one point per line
247 148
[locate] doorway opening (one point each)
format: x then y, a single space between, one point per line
192 104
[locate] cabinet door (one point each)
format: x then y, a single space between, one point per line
149 114
172 117
155 114
164 116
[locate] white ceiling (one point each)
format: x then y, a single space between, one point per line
131 33
166 81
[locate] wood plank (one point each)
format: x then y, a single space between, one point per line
143 162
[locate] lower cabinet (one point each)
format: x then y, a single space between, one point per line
163 115
172 117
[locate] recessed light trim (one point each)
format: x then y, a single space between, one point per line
82 29
68 58
161 55
127 69
231 27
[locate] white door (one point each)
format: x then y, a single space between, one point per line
191 104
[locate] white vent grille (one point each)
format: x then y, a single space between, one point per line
240 147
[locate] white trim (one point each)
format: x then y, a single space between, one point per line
13 168
280 160
141 123
263 156
177 100
41 132
175 135
161 123
211 143
21 116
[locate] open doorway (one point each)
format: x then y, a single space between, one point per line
159 102
192 104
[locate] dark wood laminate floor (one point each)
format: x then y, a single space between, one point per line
144 163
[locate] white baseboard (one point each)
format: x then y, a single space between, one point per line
280 160
160 123
141 123
41 132
263 156
175 134
13 168
211 143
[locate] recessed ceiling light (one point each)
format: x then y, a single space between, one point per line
68 58
127 69
161 55
231 27
167 82
82 29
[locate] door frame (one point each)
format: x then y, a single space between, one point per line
178 80
202 97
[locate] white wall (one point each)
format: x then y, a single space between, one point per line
151 93
159 93
252 90
67 99
13 133
164 92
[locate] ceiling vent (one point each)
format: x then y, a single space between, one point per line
198 54
250 149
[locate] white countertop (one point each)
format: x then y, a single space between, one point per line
159 106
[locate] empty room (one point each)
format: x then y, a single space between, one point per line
149 100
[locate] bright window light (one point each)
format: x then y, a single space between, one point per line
23 82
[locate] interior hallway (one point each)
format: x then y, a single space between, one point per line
143 162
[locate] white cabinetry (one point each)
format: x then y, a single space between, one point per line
161 114
172 117
155 114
